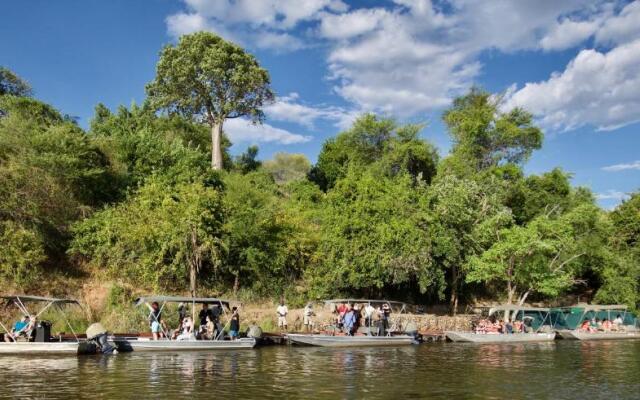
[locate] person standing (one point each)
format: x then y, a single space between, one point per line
307 317
282 312
234 325
349 321
155 321
369 310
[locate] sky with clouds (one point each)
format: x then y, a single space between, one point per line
574 64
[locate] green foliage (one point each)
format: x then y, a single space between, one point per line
205 75
22 254
247 161
50 171
541 257
210 78
371 140
286 167
12 84
268 246
374 235
156 235
485 137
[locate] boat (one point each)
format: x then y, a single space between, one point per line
537 321
366 336
138 342
349 341
38 340
567 321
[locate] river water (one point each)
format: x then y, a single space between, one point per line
557 370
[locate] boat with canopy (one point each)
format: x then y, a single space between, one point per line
35 335
167 340
535 322
365 336
602 322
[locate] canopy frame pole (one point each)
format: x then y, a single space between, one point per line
44 308
68 323
21 306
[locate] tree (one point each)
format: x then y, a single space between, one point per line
484 136
247 161
209 77
286 167
12 84
541 257
465 219
374 237
161 235
372 140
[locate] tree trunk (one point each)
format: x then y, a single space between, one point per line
236 284
216 146
453 298
192 280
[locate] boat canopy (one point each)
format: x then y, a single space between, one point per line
572 317
181 299
513 307
333 301
596 307
25 298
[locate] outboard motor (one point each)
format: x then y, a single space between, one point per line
411 329
97 335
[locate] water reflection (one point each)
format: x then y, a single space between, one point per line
571 370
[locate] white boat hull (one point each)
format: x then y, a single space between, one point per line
349 341
579 335
145 344
499 338
39 348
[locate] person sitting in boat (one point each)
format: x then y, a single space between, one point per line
187 330
586 326
155 321
508 327
517 326
617 322
606 325
349 322
208 329
342 310
204 313
234 325
22 328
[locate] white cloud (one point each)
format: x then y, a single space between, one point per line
612 195
568 33
601 89
623 167
407 57
242 131
289 109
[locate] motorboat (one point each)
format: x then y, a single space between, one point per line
349 341
371 334
568 322
35 335
536 326
167 341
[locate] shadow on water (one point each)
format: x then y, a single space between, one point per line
568 370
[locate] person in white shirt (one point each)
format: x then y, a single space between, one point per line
618 320
368 314
307 317
282 312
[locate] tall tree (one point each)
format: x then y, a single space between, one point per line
484 136
208 77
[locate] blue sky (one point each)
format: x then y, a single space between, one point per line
575 64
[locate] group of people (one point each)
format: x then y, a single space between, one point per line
347 317
498 326
210 327
596 325
22 328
